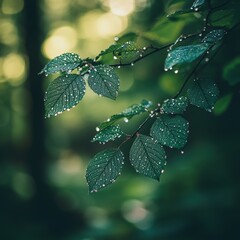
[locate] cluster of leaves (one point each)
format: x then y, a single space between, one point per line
170 128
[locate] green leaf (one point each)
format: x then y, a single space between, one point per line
63 93
127 113
226 16
214 36
109 50
160 31
104 168
147 157
231 72
197 4
170 131
130 36
108 133
63 63
128 50
203 93
104 81
185 54
175 105
179 12
125 50
222 104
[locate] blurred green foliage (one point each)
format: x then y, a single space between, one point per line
43 192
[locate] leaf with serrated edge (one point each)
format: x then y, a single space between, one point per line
104 168
203 93
128 113
214 36
185 54
63 93
108 133
63 63
147 157
171 131
175 105
104 81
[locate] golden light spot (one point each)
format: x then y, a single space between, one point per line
12 6
97 24
8 34
121 7
14 68
69 163
61 40
109 24
58 6
87 25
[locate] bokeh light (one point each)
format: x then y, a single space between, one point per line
12 6
121 7
61 40
14 68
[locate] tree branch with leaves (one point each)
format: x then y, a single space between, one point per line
169 127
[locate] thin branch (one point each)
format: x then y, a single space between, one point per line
191 74
155 49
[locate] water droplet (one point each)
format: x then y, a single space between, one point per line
126 120
176 71
116 39
97 129
132 64
182 152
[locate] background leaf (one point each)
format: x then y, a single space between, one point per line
203 93
63 93
104 168
175 105
108 133
231 72
127 113
170 131
104 81
222 104
185 54
147 157
63 63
